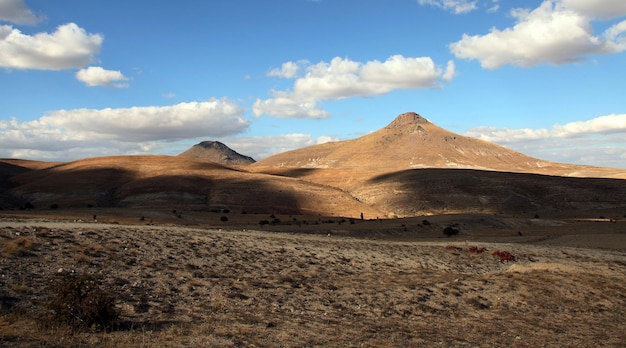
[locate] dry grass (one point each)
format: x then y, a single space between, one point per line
19 246
178 286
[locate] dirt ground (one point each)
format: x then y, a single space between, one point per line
189 280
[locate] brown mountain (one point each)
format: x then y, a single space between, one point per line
215 151
409 168
413 167
411 142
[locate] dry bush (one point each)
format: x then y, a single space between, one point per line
504 256
20 246
78 301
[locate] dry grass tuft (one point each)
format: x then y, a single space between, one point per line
20 246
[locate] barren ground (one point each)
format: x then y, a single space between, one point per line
191 282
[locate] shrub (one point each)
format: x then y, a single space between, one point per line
426 223
264 222
78 301
477 250
17 247
504 256
223 218
450 231
54 206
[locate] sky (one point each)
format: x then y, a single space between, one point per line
96 78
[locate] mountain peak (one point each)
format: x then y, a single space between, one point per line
217 152
407 119
212 145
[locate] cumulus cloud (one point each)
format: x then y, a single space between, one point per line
552 33
450 72
68 47
265 146
288 70
597 8
16 11
135 129
285 106
97 76
599 141
343 78
455 6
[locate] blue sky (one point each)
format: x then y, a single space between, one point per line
91 78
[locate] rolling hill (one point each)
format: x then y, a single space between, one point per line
409 168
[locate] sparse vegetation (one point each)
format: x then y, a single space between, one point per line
78 301
504 256
172 286
19 246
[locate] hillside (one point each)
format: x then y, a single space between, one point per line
409 168
413 167
171 182
411 141
217 152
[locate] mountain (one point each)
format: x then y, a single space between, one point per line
215 151
411 142
413 167
409 168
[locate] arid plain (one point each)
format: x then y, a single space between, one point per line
339 244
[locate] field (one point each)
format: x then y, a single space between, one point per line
191 280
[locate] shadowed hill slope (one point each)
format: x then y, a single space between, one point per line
177 183
442 191
215 151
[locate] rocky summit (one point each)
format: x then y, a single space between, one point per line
217 152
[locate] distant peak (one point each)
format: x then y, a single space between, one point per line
217 152
211 144
407 119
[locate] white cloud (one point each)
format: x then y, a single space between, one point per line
597 8
97 76
288 70
64 132
343 78
285 106
599 141
265 146
325 139
456 6
551 33
450 72
494 8
16 11
68 47
600 125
